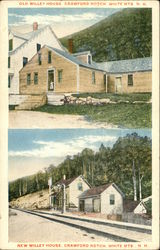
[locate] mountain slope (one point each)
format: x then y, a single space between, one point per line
124 35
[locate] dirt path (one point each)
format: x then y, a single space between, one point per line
33 119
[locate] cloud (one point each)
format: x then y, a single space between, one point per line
47 149
48 19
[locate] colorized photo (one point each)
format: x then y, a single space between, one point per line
80 185
80 67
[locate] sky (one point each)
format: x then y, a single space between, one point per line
30 151
64 21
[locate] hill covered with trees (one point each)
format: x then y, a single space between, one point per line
126 34
107 165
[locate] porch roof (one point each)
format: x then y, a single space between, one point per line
98 190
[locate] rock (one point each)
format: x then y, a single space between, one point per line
112 102
89 98
138 102
72 98
82 99
104 101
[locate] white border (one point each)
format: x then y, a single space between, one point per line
4 111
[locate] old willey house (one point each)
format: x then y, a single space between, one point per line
39 65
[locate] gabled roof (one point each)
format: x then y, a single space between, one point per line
81 53
73 59
126 66
98 190
67 182
29 36
129 205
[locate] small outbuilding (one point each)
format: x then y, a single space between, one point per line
128 76
105 199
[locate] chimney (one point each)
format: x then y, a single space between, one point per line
70 45
64 177
35 26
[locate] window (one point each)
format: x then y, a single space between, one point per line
28 79
25 60
59 76
38 47
112 199
79 186
49 57
9 81
9 62
130 80
10 44
39 59
93 78
35 78
89 59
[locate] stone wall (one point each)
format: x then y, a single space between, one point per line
69 99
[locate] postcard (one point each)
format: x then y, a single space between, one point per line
79 124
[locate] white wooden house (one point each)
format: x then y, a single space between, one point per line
73 188
22 47
105 199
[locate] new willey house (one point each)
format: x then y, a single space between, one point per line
40 66
80 196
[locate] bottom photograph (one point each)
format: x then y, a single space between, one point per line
80 185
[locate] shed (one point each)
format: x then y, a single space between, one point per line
105 199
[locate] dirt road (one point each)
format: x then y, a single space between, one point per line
33 119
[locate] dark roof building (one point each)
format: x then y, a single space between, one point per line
127 66
98 190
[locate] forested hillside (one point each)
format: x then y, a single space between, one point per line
124 35
104 166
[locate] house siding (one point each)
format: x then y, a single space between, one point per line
106 208
29 49
69 71
83 58
142 82
85 81
74 193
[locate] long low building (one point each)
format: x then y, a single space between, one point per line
128 76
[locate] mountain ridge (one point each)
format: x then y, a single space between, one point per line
124 35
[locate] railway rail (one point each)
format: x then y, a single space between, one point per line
114 232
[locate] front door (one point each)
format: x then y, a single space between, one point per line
51 80
118 85
81 205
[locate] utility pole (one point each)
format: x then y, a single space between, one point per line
50 187
134 181
64 199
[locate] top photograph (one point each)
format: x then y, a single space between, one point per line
80 67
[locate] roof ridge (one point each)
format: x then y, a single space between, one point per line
36 33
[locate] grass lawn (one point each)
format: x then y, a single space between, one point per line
122 114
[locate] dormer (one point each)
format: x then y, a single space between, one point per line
85 56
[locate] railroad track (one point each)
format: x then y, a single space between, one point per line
90 226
